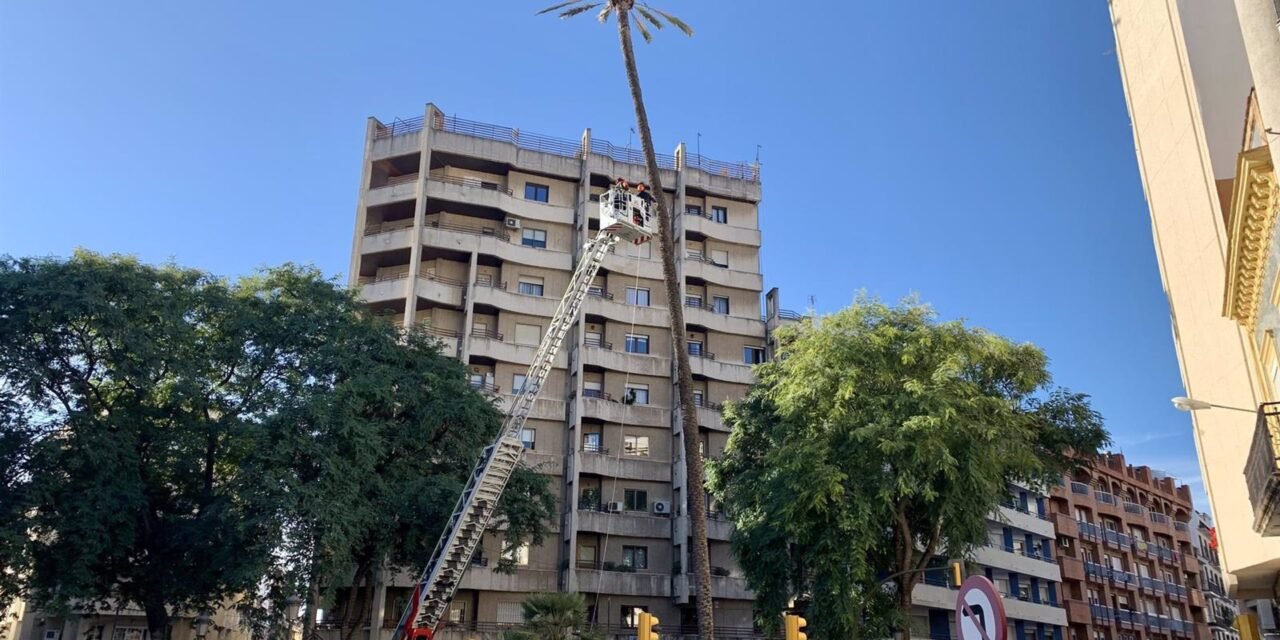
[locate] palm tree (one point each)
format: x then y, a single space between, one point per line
553 616
692 453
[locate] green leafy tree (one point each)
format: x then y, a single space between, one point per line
879 440
651 17
553 616
173 441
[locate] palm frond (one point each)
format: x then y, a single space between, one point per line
644 31
604 14
648 15
558 5
569 13
680 24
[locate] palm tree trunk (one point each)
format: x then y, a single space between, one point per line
694 485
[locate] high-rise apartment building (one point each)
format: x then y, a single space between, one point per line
1019 560
1202 83
1221 611
472 230
1126 547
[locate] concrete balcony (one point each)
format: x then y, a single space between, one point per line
618 262
628 584
632 525
522 581
509 150
1196 598
485 236
724 371
728 183
727 587
387 236
618 311
726 232
1033 612
508 301
719 528
711 418
385 290
724 323
635 414
489 347
398 145
636 364
440 290
629 467
399 192
543 408
723 276
470 191
995 557
1078 612
1262 470
1026 521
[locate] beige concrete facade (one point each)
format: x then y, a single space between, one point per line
1188 68
473 230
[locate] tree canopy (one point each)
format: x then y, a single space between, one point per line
879 439
173 441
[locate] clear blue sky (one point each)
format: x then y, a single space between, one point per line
977 153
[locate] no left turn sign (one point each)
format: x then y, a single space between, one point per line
980 611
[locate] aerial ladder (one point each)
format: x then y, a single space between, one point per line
624 216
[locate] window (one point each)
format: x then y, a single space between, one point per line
753 355
719 258
631 615
635 446
637 343
635 500
695 348
720 304
638 297
530 286
534 238
1044 591
592 389
637 394
517 382
492 186
591 443
529 437
1002 586
534 191
699 398
635 557
130 633
510 611
693 209
1017 545
530 334
457 611
594 339
720 214
518 555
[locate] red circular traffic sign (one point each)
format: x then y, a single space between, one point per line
980 611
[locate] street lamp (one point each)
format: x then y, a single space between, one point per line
202 624
1183 403
292 607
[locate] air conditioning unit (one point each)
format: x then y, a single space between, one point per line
513 223
662 507
52 634
614 507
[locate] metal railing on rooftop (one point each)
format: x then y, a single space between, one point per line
522 139
737 170
398 127
628 155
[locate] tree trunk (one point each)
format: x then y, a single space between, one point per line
313 602
354 613
157 619
694 485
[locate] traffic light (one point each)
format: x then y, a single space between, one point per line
794 626
647 623
957 574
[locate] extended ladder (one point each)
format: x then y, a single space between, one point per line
623 216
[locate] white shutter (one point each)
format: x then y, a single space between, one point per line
510 612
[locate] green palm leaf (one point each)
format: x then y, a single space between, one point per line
644 31
560 5
648 15
569 13
604 14
680 24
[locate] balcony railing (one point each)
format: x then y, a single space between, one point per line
1181 526
600 343
442 332
1132 507
698 256
599 292
472 229
486 280
787 314
700 401
485 386
594 447
698 351
398 127
1104 497
1080 488
487 334
1159 518
597 394
467 181
1262 470
390 225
